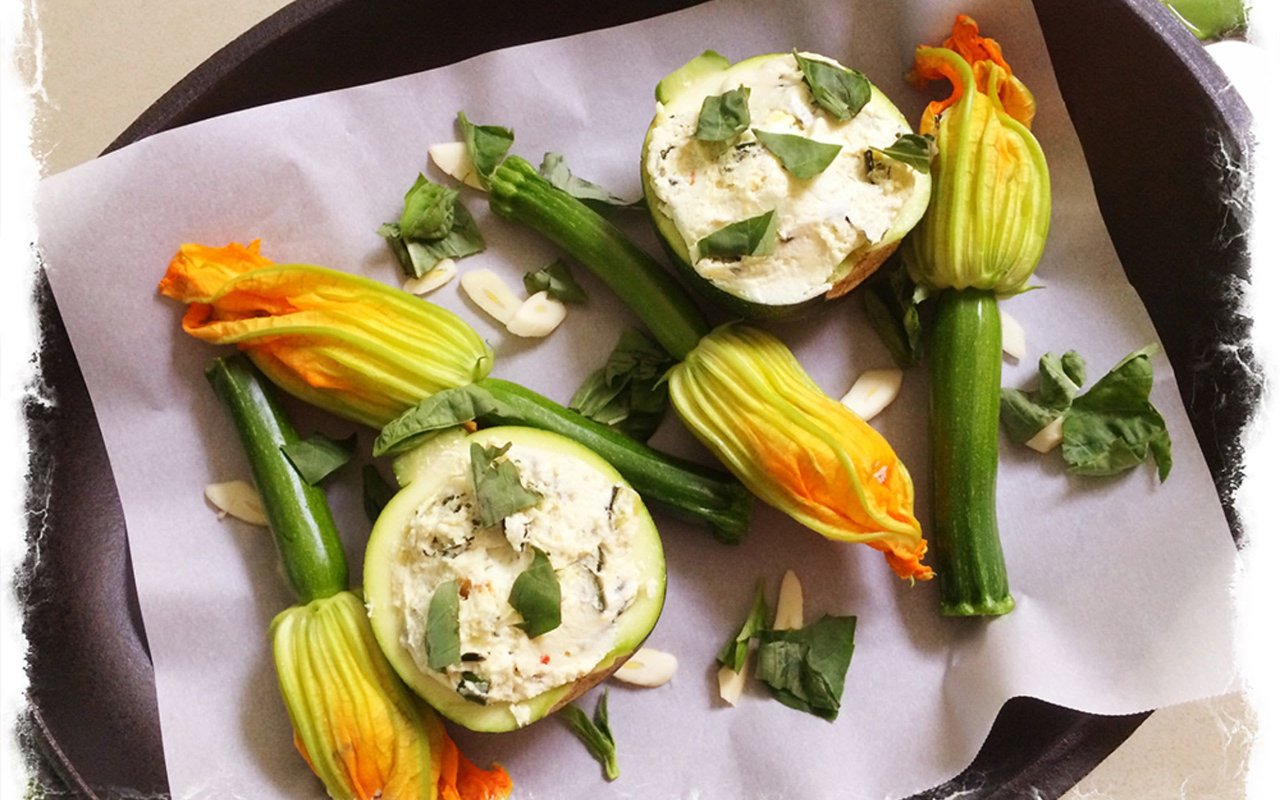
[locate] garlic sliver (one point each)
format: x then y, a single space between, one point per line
440 274
732 683
872 392
1013 339
1049 437
538 316
487 290
453 160
239 499
647 667
790 614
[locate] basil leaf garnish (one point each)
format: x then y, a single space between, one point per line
428 210
417 257
749 237
802 157
1113 426
499 492
595 734
486 145
805 669
317 456
724 116
557 173
444 409
840 91
1025 414
893 304
556 280
734 654
375 492
628 393
535 595
444 644
912 149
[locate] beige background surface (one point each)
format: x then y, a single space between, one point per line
97 64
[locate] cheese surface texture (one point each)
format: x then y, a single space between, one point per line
704 186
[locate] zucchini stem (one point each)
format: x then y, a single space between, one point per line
298 513
964 404
518 192
690 490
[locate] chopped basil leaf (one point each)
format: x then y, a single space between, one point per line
499 492
1025 414
802 157
724 116
749 237
316 457
912 149
535 595
805 668
557 173
473 688
556 280
444 645
1113 426
840 91
444 409
628 393
734 654
486 145
893 303
428 210
375 490
595 734
417 257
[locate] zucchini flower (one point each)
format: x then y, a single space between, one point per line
360 730
746 397
345 343
986 225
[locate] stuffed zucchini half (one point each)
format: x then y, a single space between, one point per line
769 183
514 571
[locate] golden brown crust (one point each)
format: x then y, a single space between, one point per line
865 266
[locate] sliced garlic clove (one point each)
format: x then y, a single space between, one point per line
732 683
1049 437
647 667
488 291
1013 339
873 391
453 160
538 316
239 499
439 275
790 614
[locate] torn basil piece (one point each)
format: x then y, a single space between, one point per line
724 117
805 669
535 595
802 157
893 302
473 688
428 210
444 409
498 489
1025 414
444 644
912 149
556 280
840 91
1113 427
734 654
318 456
595 734
417 257
375 491
756 236
628 393
556 171
486 145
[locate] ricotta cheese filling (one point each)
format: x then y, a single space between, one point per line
704 186
587 525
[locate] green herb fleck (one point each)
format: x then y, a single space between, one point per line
444 645
912 149
375 491
805 669
428 210
444 409
1025 414
628 393
840 91
535 595
724 116
317 456
486 145
1113 426
557 173
473 688
734 654
749 237
595 733
499 492
802 157
556 280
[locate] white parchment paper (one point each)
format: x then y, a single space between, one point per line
1122 585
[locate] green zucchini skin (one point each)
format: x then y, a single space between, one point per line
301 523
964 403
691 491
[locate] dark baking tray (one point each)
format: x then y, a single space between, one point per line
1157 129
